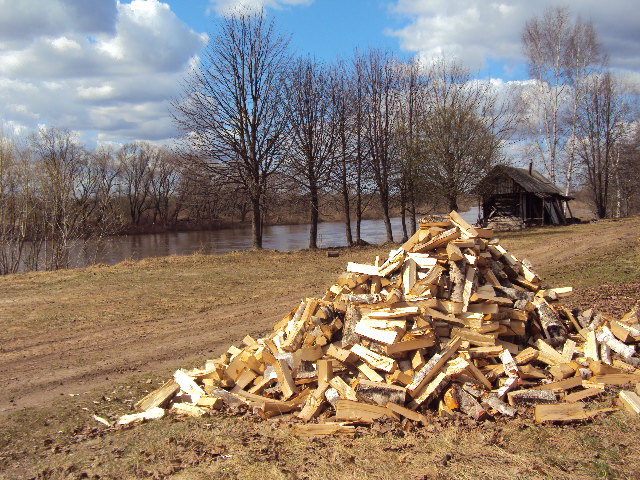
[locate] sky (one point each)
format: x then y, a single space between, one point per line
107 69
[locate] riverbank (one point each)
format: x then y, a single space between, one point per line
92 340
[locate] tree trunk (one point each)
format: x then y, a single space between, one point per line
384 200
256 224
453 203
313 228
345 200
403 212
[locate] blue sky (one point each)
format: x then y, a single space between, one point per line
109 68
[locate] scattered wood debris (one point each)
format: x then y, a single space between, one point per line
449 321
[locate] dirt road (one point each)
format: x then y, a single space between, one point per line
87 329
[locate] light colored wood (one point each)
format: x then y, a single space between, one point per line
462 224
527 355
568 350
151 414
187 409
474 338
325 371
560 412
245 378
582 395
486 308
433 366
370 373
405 412
561 385
314 403
187 385
362 412
363 269
417 342
215 403
437 241
344 390
285 379
549 351
453 252
323 429
375 360
382 336
613 379
485 352
159 397
591 345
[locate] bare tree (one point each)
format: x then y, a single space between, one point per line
602 116
232 107
313 133
463 132
413 84
164 187
561 54
380 75
546 42
136 174
341 107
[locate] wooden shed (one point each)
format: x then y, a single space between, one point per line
520 197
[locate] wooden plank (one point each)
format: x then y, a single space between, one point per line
363 269
421 341
591 346
549 351
433 366
437 241
561 385
151 414
362 412
323 429
560 412
382 336
369 372
582 395
405 412
159 397
344 390
631 401
314 403
613 379
187 385
285 379
325 371
375 360
462 224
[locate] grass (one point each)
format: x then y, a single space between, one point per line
61 440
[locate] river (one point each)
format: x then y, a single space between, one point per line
276 237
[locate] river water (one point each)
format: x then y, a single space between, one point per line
276 237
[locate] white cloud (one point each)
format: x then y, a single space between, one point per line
100 66
478 30
226 7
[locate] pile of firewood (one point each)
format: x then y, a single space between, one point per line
449 321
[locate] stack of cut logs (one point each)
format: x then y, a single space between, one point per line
449 321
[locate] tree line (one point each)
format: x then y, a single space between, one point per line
265 132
